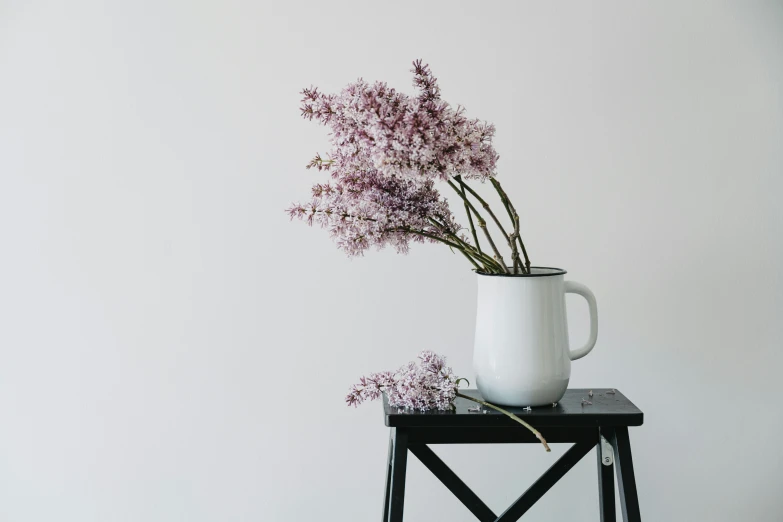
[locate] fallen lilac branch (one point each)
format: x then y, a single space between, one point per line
509 414
425 386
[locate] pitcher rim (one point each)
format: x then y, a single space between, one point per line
554 272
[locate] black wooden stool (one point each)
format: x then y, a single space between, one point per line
604 423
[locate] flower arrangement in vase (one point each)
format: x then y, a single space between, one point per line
389 150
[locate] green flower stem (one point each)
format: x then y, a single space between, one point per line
451 244
482 224
473 262
470 217
509 414
425 234
489 263
510 238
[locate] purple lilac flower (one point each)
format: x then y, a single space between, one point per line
367 208
424 386
418 137
387 149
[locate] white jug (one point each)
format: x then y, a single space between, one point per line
521 354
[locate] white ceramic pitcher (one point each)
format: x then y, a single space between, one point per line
521 355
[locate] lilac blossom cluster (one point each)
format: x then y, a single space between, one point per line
367 209
387 150
424 386
428 385
417 137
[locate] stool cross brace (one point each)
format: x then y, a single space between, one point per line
612 449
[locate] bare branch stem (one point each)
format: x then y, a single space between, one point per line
509 414
484 204
513 215
490 265
482 224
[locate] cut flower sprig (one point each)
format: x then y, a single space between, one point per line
388 150
424 386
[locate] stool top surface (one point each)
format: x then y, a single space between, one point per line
607 409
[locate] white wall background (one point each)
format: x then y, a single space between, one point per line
173 349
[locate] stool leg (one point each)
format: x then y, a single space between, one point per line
629 501
388 478
605 483
398 467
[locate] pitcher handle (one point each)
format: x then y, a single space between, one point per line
572 287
